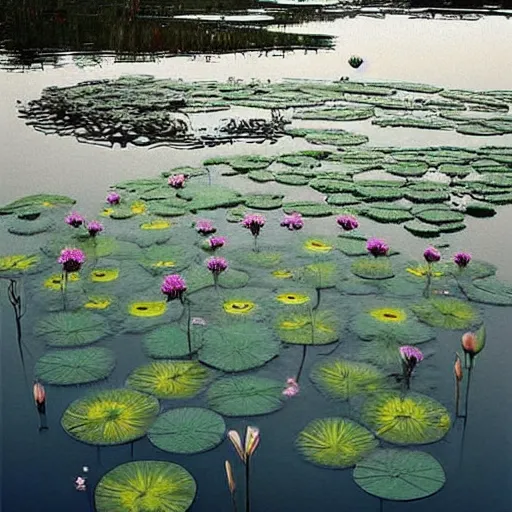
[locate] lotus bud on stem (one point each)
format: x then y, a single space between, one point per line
410 356
245 452
231 484
40 400
457 371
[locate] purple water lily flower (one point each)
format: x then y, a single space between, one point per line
177 181
94 227
113 198
205 227
216 242
71 259
431 255
411 355
74 219
377 247
293 222
462 259
173 286
254 222
347 222
216 265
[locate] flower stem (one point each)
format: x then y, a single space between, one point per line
247 485
466 407
426 292
189 334
457 397
318 298
63 287
302 361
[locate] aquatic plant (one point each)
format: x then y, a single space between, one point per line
205 227
292 388
216 265
110 417
459 375
355 61
254 222
71 260
408 418
74 219
215 242
372 268
187 430
400 475
293 222
231 483
318 328
377 247
472 344
335 443
462 259
347 222
431 255
245 452
147 309
410 357
446 312
146 485
39 394
94 227
316 245
176 181
173 287
170 341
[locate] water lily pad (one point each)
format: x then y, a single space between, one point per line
238 346
30 227
145 485
249 162
341 379
246 395
407 169
331 186
236 214
480 209
147 309
336 114
369 267
406 418
72 329
264 201
298 160
449 313
169 379
317 328
321 275
108 417
373 193
261 176
170 341
308 208
456 170
288 178
426 196
487 291
343 199
400 475
352 244
37 202
66 367
165 259
200 197
387 215
187 430
337 138
435 216
15 265
422 229
335 443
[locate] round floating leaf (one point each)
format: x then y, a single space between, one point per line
104 275
449 313
422 229
288 178
236 214
372 268
352 244
147 309
187 430
407 169
487 291
319 328
265 259
387 215
170 341
406 419
320 275
65 367
145 485
245 396
338 138
400 475
264 201
209 198
332 186
18 264
239 346
36 203
30 227
169 379
343 199
72 329
426 196
440 216
308 208
480 209
249 162
114 416
165 259
335 442
200 277
98 302
318 245
336 114
298 160
341 379
261 176
373 193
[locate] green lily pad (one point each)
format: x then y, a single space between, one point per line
321 275
317 328
165 259
480 209
331 186
236 214
238 346
169 379
352 244
369 267
249 163
406 418
170 341
288 178
443 216
245 396
337 138
109 417
335 443
264 201
422 229
30 227
67 367
456 170
372 193
336 114
429 123
400 475
187 430
342 199
298 160
387 215
487 291
261 176
308 208
145 485
15 265
341 379
449 313
407 169
198 278
38 202
200 197
426 196
72 329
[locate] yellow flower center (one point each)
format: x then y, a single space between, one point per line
293 298
138 207
317 246
104 275
164 264
107 212
282 274
421 271
238 307
98 303
47 204
54 282
156 224
389 315
147 309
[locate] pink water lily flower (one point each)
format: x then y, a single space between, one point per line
292 388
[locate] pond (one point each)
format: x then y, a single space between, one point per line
130 376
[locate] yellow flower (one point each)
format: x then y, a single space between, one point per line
138 207
164 264
47 204
104 275
238 307
107 212
389 315
18 262
293 298
156 224
282 274
54 282
147 309
97 302
317 246
421 271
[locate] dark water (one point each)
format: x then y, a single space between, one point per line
38 469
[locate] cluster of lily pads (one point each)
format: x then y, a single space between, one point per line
143 111
238 315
